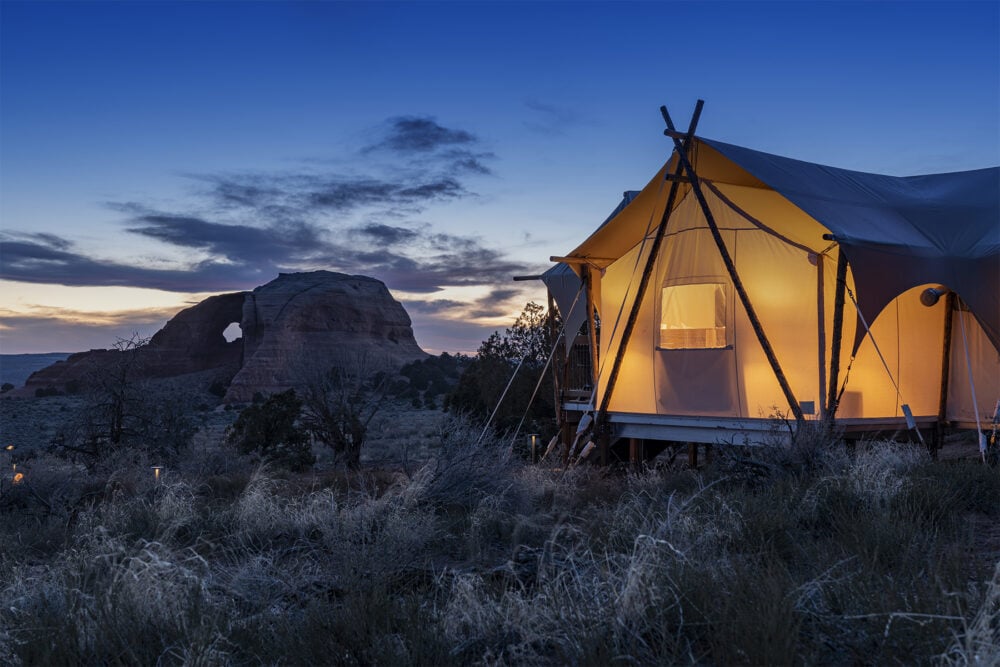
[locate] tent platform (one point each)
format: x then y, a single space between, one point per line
742 431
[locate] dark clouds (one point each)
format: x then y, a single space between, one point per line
415 134
386 235
277 244
304 195
495 304
34 261
420 140
241 229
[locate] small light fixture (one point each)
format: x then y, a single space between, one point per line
534 447
9 448
18 477
930 296
156 472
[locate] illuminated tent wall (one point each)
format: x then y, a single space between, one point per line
693 360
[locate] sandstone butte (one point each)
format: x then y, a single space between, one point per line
292 326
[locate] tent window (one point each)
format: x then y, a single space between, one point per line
693 316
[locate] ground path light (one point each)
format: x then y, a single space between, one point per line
156 472
534 447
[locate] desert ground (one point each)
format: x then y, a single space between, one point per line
444 549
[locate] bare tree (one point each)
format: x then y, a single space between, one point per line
338 405
122 408
115 391
113 405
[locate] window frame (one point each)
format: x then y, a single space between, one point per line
727 325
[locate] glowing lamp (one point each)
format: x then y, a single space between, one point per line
534 447
18 477
156 472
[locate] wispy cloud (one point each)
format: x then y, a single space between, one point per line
550 118
420 134
246 227
420 139
240 229
45 329
42 263
40 315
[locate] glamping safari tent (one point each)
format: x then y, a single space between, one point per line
738 285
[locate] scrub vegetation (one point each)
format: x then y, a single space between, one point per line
809 555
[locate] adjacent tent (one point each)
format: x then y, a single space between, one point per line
694 352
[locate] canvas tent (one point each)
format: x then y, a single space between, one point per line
872 292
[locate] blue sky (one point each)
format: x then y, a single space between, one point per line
153 153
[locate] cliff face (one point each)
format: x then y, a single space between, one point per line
293 325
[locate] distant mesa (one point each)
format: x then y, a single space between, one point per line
297 321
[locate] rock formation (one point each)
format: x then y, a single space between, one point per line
307 321
295 323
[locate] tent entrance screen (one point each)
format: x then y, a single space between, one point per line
693 317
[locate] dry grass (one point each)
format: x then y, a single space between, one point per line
471 557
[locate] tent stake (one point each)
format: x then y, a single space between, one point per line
838 333
654 251
786 389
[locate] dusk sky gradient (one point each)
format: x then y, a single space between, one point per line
155 153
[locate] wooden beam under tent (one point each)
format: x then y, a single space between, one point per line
681 150
838 333
654 251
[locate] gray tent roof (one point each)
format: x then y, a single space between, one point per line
899 232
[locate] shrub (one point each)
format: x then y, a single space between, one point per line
269 429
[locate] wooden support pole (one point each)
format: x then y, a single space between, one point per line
821 312
758 329
838 333
591 327
693 455
949 316
559 360
647 271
